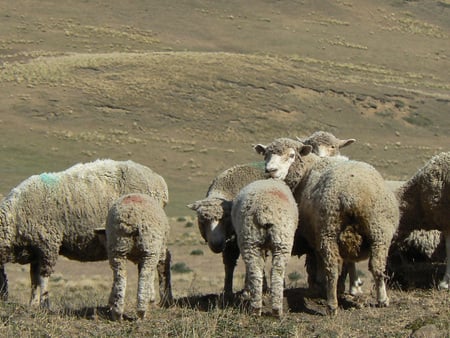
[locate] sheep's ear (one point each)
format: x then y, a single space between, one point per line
305 150
344 143
195 206
260 149
300 139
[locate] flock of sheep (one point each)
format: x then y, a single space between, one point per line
305 198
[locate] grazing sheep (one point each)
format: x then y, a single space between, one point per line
416 259
56 213
425 203
137 229
214 214
347 213
264 215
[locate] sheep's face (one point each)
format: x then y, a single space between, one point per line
325 144
213 216
279 156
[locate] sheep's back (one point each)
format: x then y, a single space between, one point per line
429 190
353 193
227 184
65 207
136 224
265 206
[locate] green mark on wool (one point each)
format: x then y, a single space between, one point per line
258 165
49 179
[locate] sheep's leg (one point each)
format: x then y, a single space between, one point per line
342 278
146 283
230 256
377 265
3 284
35 269
165 283
330 255
445 283
355 281
117 296
279 261
254 266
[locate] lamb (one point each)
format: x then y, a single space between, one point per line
214 214
56 213
264 215
346 212
425 201
137 229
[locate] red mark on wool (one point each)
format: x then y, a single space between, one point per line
133 199
279 195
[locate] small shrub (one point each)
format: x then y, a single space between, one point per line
294 276
180 267
181 219
197 252
418 120
189 224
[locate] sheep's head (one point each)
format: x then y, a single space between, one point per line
280 155
325 144
213 221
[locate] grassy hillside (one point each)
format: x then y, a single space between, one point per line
186 88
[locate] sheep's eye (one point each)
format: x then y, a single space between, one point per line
291 155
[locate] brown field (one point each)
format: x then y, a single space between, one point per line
186 88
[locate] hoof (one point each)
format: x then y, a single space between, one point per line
141 314
277 313
115 315
444 285
331 311
383 303
255 311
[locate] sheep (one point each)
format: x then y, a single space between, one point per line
264 216
346 212
416 259
325 144
137 229
56 213
425 203
214 214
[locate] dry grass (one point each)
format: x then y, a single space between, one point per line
186 89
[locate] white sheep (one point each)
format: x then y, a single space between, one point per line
264 215
214 214
137 229
56 213
425 203
346 211
325 144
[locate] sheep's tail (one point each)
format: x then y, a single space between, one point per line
128 229
350 243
